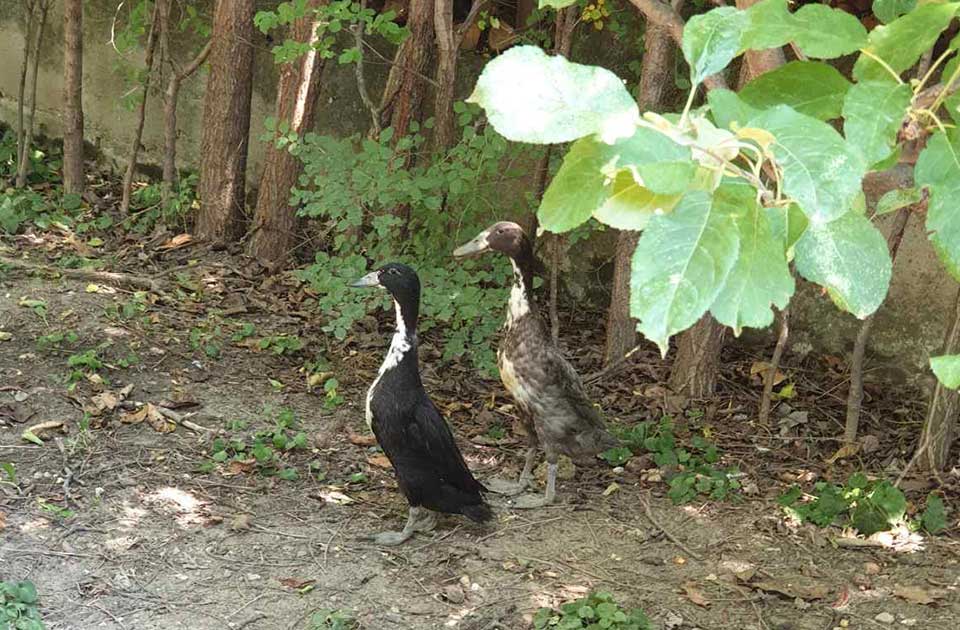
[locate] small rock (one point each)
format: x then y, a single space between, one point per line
884 617
908 622
618 470
453 594
640 463
870 443
871 568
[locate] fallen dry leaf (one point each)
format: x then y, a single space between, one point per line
760 368
241 522
153 417
362 440
104 401
296 583
845 451
3 521
794 586
379 460
240 467
918 594
180 240
39 429
694 594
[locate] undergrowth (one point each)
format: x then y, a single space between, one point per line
19 606
596 611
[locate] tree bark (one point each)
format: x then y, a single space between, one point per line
655 77
696 370
448 43
941 422
403 95
73 180
43 6
226 122
274 224
771 374
757 62
160 14
855 393
171 100
28 7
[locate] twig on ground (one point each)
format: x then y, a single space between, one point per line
139 282
646 508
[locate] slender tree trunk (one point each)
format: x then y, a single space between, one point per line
446 75
171 101
940 426
160 14
226 122
28 21
73 181
403 95
655 78
274 224
771 374
43 6
855 394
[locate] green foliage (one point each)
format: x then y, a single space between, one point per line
57 340
208 338
872 114
812 88
9 470
281 344
900 43
147 208
19 606
938 169
330 619
595 611
711 40
83 364
354 188
264 452
869 506
947 369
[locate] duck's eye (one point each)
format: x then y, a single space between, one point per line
499 230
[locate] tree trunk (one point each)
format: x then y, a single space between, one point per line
73 182
941 422
771 374
403 95
655 78
28 7
171 100
757 62
157 22
43 7
855 393
274 224
696 370
226 122
446 75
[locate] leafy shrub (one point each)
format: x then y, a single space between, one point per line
594 612
18 606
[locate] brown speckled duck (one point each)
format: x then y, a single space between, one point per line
547 390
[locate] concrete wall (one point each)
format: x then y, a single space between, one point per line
910 324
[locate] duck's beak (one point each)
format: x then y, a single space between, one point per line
476 246
372 279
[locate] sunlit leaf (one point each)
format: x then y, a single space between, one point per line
711 40
823 32
947 369
769 25
872 114
726 108
629 205
889 10
938 168
901 42
813 88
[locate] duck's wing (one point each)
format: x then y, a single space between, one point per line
579 425
432 431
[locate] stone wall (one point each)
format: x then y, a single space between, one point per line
909 326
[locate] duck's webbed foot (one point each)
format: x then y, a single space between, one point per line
530 501
418 520
502 486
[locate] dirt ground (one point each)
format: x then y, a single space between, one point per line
122 526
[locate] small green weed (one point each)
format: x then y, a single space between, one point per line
10 472
332 399
206 339
868 506
281 344
697 475
18 606
82 365
135 307
263 452
329 619
496 432
593 612
60 513
246 331
56 340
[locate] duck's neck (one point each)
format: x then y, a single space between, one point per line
521 300
403 346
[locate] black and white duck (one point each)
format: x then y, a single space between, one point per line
547 390
430 469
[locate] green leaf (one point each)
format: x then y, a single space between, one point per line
901 42
824 33
947 370
29 436
556 4
726 107
680 265
656 161
532 97
893 200
759 278
769 25
849 257
879 510
938 168
787 225
820 170
889 10
629 205
578 188
872 114
711 40
813 88
934 518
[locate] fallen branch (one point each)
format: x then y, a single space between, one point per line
771 374
112 277
646 508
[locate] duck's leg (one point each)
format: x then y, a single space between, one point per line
418 520
509 488
529 501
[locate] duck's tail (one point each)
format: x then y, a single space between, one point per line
478 513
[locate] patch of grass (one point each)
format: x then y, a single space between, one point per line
263 452
57 340
281 344
82 365
19 606
593 612
59 513
869 506
134 308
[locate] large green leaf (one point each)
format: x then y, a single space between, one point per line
726 107
711 40
629 205
824 33
787 225
821 172
759 278
889 10
813 88
680 265
872 114
578 188
938 168
769 25
946 367
532 97
656 161
848 257
901 42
